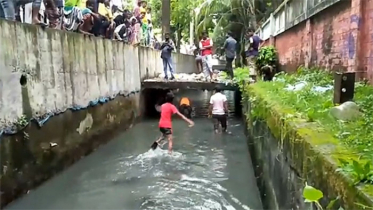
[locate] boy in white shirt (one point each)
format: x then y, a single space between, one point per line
218 110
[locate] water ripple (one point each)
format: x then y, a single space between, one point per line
179 181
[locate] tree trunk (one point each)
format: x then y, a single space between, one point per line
166 16
178 43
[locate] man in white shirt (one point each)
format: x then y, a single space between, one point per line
218 110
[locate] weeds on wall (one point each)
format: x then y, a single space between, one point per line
21 122
314 106
360 172
313 195
267 56
241 75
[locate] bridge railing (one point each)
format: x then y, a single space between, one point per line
289 14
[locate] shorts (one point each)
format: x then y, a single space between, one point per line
166 131
220 119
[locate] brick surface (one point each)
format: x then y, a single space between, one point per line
338 38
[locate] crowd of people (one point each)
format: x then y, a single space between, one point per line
109 19
104 18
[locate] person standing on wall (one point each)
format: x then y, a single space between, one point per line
166 51
252 50
218 110
230 53
205 45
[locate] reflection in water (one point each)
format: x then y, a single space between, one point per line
205 171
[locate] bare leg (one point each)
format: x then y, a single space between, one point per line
169 137
160 138
35 11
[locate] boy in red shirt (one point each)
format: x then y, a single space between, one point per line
165 122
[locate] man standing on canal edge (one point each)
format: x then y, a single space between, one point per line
167 48
252 50
205 45
230 53
218 110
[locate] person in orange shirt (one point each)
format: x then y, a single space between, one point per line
185 107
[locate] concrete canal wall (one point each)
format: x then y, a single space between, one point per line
62 95
288 152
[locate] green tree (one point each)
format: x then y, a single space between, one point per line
182 15
156 6
221 16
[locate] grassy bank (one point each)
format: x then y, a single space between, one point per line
313 105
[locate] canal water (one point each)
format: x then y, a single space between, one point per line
206 171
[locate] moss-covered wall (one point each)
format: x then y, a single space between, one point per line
289 152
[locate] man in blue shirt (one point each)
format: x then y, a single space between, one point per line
252 49
166 51
230 53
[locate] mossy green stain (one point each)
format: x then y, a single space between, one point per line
320 150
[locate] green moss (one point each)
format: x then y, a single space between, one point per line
314 148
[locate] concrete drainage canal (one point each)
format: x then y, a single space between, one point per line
206 171
241 170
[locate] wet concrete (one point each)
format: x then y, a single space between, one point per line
206 171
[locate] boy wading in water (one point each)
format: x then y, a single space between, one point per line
165 122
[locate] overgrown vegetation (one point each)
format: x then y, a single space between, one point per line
313 104
360 172
267 56
266 63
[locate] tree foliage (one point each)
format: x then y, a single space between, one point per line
182 14
156 6
221 16
216 16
